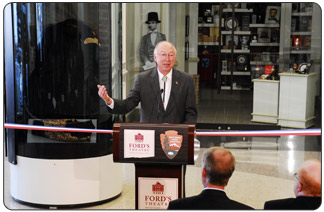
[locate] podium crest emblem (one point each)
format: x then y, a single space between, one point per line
171 143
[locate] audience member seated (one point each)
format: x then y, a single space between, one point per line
307 190
218 165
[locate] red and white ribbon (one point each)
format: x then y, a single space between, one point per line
300 132
50 128
303 132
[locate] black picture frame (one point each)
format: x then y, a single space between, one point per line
272 17
187 25
264 35
187 50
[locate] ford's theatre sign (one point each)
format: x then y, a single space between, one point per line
156 193
139 143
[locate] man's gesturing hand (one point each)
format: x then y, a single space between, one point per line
102 92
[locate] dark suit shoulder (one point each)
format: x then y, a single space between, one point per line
279 203
184 203
208 199
147 36
182 74
303 202
163 36
147 73
240 206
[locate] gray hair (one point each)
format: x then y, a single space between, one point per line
161 43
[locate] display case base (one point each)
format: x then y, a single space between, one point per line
79 206
65 183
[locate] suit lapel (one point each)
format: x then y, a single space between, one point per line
158 38
156 88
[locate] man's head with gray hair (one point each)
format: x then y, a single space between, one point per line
165 55
309 179
162 43
218 165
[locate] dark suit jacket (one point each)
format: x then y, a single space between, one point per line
181 107
207 199
147 48
301 202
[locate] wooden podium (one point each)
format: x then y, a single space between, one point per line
159 152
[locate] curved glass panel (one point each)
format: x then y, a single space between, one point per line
61 52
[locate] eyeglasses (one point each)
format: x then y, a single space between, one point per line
296 176
165 55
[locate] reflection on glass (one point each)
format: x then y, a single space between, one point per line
59 50
65 81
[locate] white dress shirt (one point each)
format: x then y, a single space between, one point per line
217 189
153 37
168 85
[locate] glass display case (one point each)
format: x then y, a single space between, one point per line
300 64
55 56
57 66
247 42
223 39
296 67
302 30
265 39
235 70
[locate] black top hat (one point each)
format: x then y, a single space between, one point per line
152 16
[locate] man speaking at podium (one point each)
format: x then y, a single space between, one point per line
166 94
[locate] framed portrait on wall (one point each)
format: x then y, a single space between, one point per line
187 25
229 42
272 15
264 35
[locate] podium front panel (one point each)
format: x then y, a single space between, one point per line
153 143
168 177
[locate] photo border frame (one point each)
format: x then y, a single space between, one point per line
266 21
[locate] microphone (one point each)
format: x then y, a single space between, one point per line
163 98
161 92
158 103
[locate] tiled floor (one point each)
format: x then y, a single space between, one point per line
264 171
264 165
231 107
224 107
